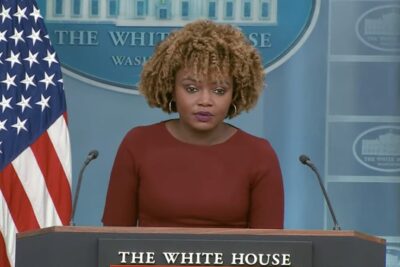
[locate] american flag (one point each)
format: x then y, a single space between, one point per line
35 157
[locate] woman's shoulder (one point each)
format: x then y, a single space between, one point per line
257 150
254 143
250 138
146 129
144 132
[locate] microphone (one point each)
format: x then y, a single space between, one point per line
91 156
306 161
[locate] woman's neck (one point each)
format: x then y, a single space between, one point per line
188 135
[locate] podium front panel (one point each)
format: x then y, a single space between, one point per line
102 247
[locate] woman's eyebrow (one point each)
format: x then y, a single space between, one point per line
223 82
190 78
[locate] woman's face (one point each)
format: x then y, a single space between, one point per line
202 103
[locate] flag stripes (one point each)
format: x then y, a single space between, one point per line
59 136
17 200
34 185
7 235
35 192
52 170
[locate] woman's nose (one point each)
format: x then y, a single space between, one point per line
205 97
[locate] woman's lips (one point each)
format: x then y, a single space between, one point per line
203 116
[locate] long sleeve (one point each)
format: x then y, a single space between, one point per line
121 206
267 195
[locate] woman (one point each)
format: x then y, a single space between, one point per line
197 170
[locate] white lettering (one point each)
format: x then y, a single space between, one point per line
198 258
123 255
60 36
237 259
190 258
260 39
286 260
136 257
250 259
275 259
92 38
264 259
119 38
171 257
187 258
136 38
265 40
208 254
76 37
218 259
128 61
118 60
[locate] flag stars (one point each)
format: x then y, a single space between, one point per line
5 103
24 103
9 81
3 36
13 59
32 58
35 36
44 102
35 14
20 125
48 38
50 58
28 81
62 82
5 13
29 78
20 14
17 36
47 80
2 125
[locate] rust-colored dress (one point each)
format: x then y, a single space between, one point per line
160 181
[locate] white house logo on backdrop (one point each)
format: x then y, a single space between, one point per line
106 42
378 148
378 28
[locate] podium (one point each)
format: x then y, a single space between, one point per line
71 246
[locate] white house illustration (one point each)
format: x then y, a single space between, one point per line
163 12
385 145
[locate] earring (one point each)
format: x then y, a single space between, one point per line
234 108
170 106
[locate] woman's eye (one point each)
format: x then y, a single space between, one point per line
219 91
191 89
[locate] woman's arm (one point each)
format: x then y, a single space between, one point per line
121 202
267 195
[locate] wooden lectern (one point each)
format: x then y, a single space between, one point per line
71 246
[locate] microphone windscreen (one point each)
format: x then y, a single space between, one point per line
93 154
304 158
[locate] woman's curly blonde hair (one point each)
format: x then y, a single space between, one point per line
209 49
